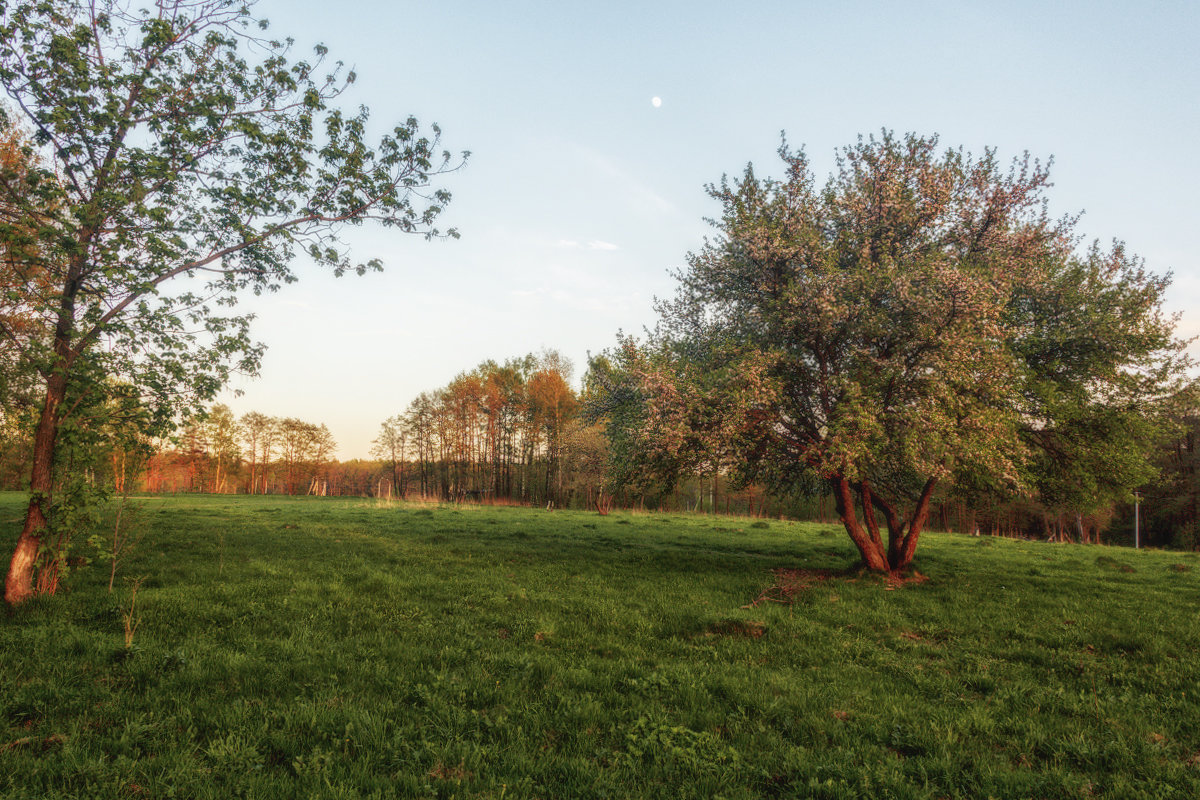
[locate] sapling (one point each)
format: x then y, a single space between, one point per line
129 617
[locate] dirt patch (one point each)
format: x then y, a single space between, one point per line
896 580
747 628
791 584
35 743
442 772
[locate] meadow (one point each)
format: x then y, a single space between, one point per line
345 648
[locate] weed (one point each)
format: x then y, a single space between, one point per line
657 742
129 618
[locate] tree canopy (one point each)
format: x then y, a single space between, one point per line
186 158
917 324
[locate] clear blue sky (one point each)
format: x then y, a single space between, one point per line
580 194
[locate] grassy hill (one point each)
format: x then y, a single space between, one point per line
336 648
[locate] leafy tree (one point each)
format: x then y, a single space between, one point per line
495 431
617 389
552 406
18 269
390 446
303 448
258 436
222 435
188 159
919 322
1170 502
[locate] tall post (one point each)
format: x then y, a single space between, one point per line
1137 521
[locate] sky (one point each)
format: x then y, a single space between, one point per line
581 195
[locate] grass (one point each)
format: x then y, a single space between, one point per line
329 648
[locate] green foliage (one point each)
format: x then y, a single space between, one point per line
186 159
359 649
1170 502
171 155
919 323
614 397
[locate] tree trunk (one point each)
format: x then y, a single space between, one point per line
873 557
868 506
915 527
18 586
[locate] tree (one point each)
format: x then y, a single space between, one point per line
390 446
258 436
18 270
1170 502
670 410
920 322
552 406
222 434
188 159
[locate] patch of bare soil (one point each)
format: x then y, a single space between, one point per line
737 627
790 584
442 772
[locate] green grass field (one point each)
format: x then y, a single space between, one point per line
340 648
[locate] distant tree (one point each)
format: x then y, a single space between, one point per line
660 426
321 447
462 406
1170 502
390 446
495 431
19 270
294 436
258 433
419 418
222 435
504 392
552 408
186 160
918 322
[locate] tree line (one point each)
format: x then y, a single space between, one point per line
508 431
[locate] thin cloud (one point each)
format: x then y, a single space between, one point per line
639 192
594 244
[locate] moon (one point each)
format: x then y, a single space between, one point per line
656 102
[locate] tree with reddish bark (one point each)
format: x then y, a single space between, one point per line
186 158
918 322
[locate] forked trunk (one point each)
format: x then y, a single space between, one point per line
873 556
903 534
